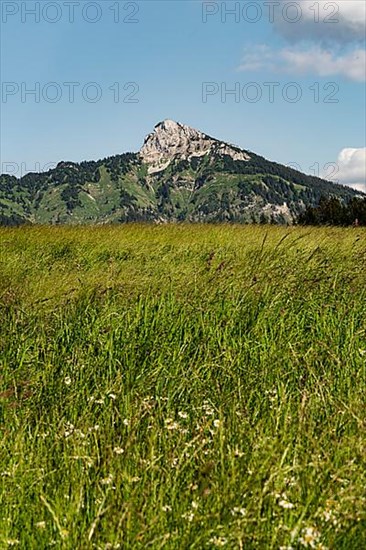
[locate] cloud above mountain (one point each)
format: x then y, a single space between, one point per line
324 39
343 21
313 60
352 168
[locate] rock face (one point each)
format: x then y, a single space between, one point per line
171 140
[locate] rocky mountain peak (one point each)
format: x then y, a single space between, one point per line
171 140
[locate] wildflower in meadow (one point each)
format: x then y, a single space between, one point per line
218 541
107 480
237 511
41 524
174 462
94 428
171 425
208 410
238 453
309 537
285 504
12 542
118 450
189 516
69 429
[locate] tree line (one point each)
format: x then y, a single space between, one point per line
332 211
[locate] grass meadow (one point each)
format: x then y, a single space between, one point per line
183 387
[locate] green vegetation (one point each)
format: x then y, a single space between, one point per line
211 188
332 211
182 387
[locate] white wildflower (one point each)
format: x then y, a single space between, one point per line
309 537
188 516
171 425
182 414
238 453
67 380
218 541
207 408
118 450
69 429
107 480
290 482
166 508
41 524
236 511
94 428
285 504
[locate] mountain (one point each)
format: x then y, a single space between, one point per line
179 174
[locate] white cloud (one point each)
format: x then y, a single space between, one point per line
341 21
352 168
330 39
324 63
258 57
315 60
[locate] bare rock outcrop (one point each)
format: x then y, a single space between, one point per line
171 140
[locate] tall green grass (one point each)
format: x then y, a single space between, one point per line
183 387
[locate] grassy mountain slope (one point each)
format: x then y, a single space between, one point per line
208 188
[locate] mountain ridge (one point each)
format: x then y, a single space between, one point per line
171 140
179 174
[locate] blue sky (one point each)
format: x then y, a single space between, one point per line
163 53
